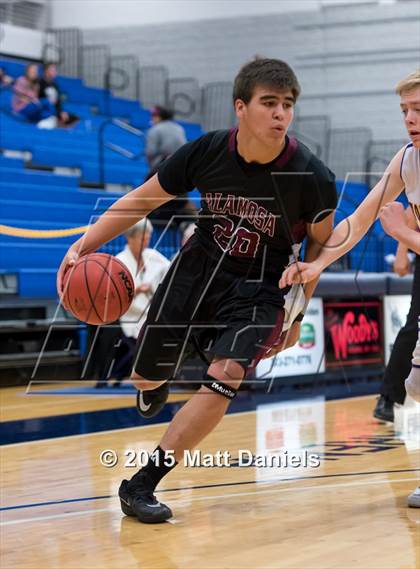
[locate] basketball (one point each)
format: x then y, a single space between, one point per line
98 289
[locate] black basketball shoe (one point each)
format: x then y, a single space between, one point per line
137 499
384 410
151 402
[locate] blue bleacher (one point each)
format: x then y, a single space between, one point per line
34 199
13 163
32 177
369 254
42 200
50 194
41 225
12 67
39 283
51 211
24 253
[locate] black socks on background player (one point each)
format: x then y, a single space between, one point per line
158 466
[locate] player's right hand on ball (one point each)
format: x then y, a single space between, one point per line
299 273
68 261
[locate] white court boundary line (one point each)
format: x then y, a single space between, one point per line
217 497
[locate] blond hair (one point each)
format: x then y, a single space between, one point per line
410 82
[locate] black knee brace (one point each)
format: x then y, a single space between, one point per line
219 387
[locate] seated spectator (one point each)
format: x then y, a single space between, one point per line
5 80
113 345
49 89
26 102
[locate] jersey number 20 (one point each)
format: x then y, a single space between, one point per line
239 242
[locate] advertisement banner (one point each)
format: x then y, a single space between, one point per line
396 308
307 356
353 333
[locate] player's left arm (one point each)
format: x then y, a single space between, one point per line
400 225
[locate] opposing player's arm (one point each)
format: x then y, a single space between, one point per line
318 235
401 264
116 220
410 219
351 230
401 225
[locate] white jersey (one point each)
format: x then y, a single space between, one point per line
410 174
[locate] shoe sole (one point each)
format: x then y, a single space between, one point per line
126 509
129 512
383 419
413 503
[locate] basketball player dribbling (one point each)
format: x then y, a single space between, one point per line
262 194
403 172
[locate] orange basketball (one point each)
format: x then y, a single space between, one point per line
98 289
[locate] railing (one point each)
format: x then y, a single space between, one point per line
311 143
63 46
380 153
122 76
183 96
95 60
118 149
152 81
217 108
316 130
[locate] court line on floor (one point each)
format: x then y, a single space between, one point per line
216 497
53 517
297 489
221 485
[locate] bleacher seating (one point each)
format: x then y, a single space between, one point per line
32 197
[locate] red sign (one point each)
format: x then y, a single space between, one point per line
353 333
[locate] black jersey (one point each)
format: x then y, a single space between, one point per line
253 217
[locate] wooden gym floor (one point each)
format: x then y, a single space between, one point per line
59 505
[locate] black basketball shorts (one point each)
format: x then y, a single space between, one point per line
200 309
